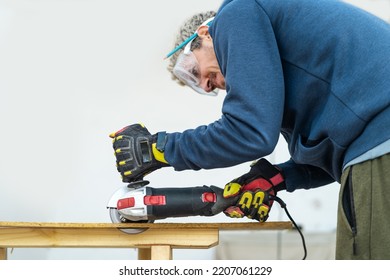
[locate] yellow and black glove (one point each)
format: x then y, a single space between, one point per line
255 191
137 152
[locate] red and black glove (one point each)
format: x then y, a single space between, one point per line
137 152
255 190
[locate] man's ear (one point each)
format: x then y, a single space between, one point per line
203 32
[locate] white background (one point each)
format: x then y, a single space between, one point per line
71 72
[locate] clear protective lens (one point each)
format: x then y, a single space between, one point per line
187 67
187 71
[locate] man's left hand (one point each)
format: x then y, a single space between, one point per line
137 152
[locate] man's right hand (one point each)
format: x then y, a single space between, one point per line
254 191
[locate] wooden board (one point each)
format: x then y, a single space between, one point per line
157 225
24 237
156 242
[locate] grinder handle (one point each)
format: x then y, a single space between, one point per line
222 203
185 202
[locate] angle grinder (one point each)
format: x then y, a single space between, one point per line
137 202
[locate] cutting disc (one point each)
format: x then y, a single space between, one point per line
117 218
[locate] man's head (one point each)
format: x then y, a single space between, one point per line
194 63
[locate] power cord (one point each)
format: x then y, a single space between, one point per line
284 206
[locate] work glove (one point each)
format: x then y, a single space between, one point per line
137 152
255 191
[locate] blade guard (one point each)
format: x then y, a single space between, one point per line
130 203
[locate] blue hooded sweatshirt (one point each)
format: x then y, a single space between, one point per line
316 71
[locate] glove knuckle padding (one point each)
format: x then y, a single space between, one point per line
262 213
143 152
245 200
231 189
122 148
133 151
256 188
258 199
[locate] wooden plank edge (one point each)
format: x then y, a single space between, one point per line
222 226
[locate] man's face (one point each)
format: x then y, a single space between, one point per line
198 68
210 75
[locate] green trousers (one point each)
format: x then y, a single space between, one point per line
363 222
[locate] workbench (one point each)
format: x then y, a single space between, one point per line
156 243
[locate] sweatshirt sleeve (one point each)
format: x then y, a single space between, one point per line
252 111
302 176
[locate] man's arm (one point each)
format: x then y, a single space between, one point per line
252 111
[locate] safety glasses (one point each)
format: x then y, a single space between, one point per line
187 67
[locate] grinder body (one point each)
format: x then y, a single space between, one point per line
140 203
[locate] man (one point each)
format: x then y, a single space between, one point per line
315 71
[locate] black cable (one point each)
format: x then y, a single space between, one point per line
284 206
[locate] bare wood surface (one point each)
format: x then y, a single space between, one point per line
105 238
157 225
156 242
162 252
144 253
3 253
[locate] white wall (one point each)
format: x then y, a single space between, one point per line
71 72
